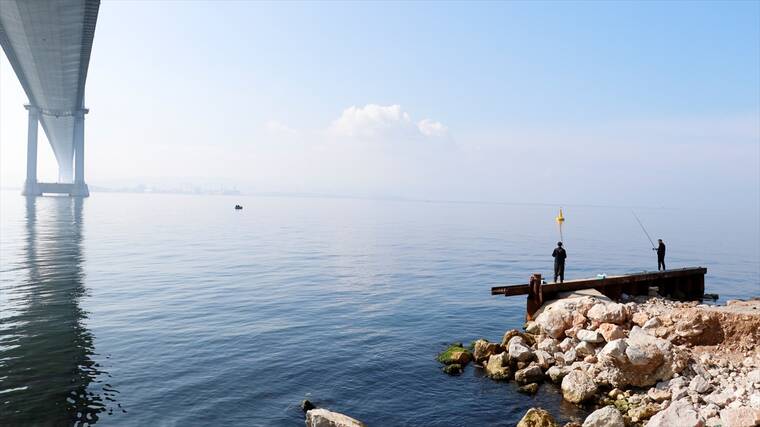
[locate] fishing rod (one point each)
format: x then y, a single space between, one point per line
642 228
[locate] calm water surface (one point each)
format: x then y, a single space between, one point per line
127 309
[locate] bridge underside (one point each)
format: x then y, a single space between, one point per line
48 44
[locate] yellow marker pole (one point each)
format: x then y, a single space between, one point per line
560 220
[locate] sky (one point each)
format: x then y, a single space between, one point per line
610 103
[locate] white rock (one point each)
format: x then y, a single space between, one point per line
549 345
325 418
614 350
638 356
719 397
531 374
740 417
754 400
577 386
570 356
589 336
753 377
679 414
608 313
605 417
518 351
652 323
700 385
554 320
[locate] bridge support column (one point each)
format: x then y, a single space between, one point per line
31 188
80 188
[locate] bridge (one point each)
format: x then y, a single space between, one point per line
48 44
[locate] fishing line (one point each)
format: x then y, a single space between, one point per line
642 228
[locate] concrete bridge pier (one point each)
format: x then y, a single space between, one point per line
77 188
31 188
80 188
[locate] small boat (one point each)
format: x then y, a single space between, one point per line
238 207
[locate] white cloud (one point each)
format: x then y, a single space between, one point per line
276 127
429 127
377 121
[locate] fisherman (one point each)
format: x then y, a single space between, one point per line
559 255
660 254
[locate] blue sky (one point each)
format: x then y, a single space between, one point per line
655 100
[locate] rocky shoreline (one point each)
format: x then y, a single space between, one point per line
646 361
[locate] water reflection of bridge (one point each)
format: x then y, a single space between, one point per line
47 372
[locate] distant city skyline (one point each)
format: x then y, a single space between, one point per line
631 103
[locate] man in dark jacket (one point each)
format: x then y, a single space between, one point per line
559 255
660 254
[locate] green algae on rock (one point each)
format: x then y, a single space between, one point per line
455 354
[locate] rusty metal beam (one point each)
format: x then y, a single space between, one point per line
683 284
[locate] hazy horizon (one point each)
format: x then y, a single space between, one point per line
654 104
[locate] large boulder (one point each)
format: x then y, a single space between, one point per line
605 417
646 357
679 413
584 304
554 320
325 418
496 369
483 349
577 386
608 313
537 417
641 360
531 374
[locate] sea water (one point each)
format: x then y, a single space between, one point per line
157 309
